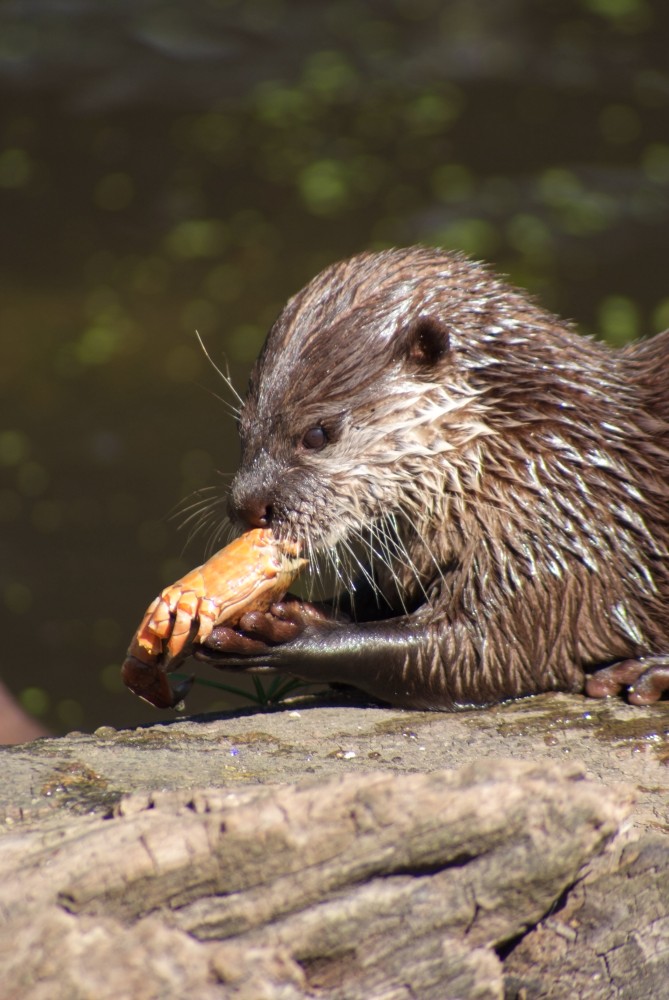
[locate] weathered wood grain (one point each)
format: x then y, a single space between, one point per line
339 853
368 885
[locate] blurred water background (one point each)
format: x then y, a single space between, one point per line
173 167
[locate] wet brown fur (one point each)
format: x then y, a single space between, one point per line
514 475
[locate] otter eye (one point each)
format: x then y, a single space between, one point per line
315 438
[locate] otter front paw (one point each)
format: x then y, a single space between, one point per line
645 680
258 633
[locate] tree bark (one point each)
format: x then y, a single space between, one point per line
369 877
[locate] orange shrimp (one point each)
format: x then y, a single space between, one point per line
248 575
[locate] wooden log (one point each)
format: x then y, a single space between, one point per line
366 886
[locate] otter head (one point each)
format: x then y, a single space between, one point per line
411 405
364 405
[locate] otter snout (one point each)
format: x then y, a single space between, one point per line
258 494
250 503
252 511
284 496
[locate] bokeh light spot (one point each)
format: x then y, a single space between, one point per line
618 9
18 597
281 106
433 112
14 447
324 186
330 75
476 237
661 316
245 341
35 700
114 192
656 162
197 238
618 319
529 234
558 187
98 344
452 182
16 168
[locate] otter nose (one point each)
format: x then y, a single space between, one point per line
255 512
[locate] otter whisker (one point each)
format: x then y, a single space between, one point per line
198 512
420 532
401 550
355 560
388 557
233 410
197 515
222 534
194 499
209 526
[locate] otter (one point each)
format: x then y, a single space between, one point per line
491 486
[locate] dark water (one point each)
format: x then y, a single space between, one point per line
172 167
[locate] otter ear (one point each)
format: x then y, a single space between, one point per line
425 341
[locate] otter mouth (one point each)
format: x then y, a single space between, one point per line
367 572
